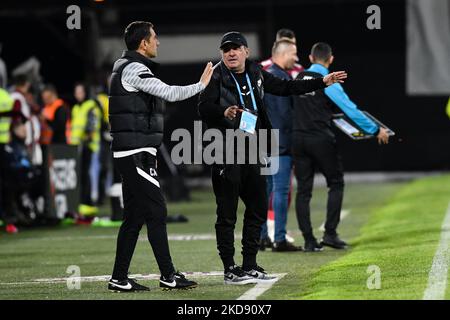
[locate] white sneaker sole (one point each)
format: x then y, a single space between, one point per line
266 280
241 283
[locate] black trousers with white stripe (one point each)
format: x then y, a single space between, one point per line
143 203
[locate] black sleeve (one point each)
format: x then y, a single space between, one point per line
91 123
208 104
282 87
59 125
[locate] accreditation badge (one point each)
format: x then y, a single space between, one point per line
248 122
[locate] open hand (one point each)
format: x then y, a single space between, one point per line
207 73
383 136
334 77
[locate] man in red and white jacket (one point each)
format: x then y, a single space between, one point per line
21 97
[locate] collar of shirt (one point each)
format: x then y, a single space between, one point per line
315 67
274 65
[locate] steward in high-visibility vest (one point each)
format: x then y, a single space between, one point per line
6 106
85 125
85 132
104 103
105 155
56 115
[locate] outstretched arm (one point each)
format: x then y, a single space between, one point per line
282 87
137 77
337 94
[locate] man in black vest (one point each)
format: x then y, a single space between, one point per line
239 84
136 118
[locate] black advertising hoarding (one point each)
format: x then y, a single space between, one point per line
63 178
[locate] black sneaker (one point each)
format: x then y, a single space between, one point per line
259 275
265 243
285 246
176 280
333 241
312 246
236 276
128 285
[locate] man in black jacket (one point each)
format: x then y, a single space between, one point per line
314 146
136 118
239 84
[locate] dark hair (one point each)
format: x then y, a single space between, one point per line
20 80
79 83
285 33
51 88
321 51
135 32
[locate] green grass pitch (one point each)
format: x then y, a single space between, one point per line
395 226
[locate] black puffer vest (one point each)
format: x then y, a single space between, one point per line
229 95
136 118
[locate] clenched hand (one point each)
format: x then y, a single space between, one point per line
230 112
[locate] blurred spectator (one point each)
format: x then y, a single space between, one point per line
19 178
6 109
105 156
56 115
3 71
22 99
85 133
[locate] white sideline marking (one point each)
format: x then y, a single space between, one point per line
251 294
178 237
260 288
107 277
437 279
344 213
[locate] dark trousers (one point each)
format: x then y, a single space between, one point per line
230 183
321 153
105 168
3 215
143 203
85 177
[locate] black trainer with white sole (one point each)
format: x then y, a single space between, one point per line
176 280
259 275
128 285
234 275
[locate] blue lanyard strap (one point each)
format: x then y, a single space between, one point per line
252 95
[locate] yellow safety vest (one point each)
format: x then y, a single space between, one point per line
104 102
78 126
6 105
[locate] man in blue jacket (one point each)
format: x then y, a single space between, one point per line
314 145
279 109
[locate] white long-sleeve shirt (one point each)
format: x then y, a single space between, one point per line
137 77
